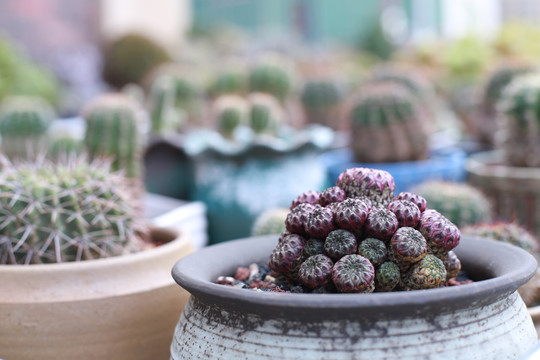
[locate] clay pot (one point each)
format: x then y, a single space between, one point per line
483 320
121 307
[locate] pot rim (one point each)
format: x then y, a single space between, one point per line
489 163
510 266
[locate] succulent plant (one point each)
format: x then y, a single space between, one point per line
24 122
374 250
311 197
408 246
316 271
381 223
339 243
427 273
265 113
321 99
460 203
229 82
354 274
387 113
520 134
164 116
287 256
452 265
71 210
351 214
296 221
414 198
440 233
270 222
230 111
387 276
271 76
407 213
333 194
507 232
129 58
313 246
320 222
377 185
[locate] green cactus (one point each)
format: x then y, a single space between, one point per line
270 222
64 146
230 111
229 82
507 232
113 122
67 211
411 78
460 203
321 99
129 58
387 113
272 76
24 121
265 113
519 126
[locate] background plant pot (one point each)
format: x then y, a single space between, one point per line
485 320
514 191
444 164
239 181
117 308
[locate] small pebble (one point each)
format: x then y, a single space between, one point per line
242 274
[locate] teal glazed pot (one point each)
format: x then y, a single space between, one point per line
483 320
446 163
239 181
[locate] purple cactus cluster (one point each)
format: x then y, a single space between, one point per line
357 237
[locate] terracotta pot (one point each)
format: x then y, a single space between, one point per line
117 308
483 320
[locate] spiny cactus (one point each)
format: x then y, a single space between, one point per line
112 130
507 232
321 99
67 211
24 122
426 274
310 197
387 276
377 185
462 204
316 271
333 194
271 221
230 111
296 221
229 82
272 75
520 140
387 113
265 113
339 243
440 233
374 250
164 116
354 274
287 257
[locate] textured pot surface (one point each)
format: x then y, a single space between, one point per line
514 191
483 320
117 308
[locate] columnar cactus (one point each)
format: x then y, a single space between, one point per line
67 211
387 113
321 100
112 130
230 111
461 203
23 125
520 140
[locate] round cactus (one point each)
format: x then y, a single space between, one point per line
381 223
265 113
387 113
354 274
377 185
321 99
230 111
408 246
287 256
229 82
333 194
428 273
351 214
270 222
387 276
316 271
313 247
71 210
339 243
296 220
320 223
24 121
507 232
452 265
310 197
272 76
374 250
460 203
407 213
414 198
441 234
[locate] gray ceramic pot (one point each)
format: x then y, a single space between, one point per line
483 320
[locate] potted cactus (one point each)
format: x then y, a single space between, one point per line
76 258
510 174
359 272
391 130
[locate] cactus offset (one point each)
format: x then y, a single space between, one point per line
24 121
440 233
427 273
354 274
339 243
387 276
316 271
374 250
376 185
67 211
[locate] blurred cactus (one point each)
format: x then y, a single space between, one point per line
24 121
230 111
518 41
265 113
112 130
229 82
129 58
270 222
387 124
68 211
321 99
462 204
272 75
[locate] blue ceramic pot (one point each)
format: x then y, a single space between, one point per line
444 164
